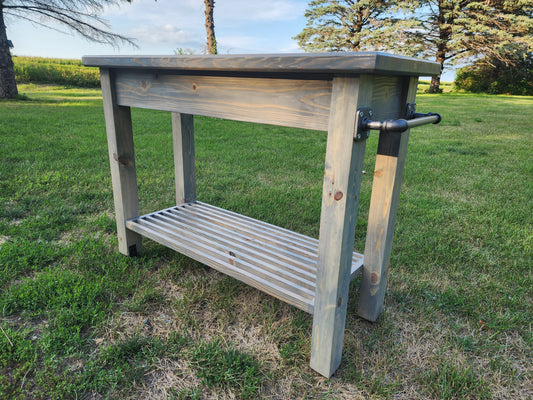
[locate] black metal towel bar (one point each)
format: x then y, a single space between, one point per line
412 120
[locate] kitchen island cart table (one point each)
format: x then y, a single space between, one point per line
345 95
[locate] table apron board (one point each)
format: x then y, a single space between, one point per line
298 103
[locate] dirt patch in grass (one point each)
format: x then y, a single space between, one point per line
403 356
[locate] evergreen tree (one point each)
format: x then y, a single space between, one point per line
443 30
461 30
80 16
347 25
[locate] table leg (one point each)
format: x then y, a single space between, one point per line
183 139
340 198
122 161
388 172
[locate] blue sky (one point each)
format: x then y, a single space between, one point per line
161 27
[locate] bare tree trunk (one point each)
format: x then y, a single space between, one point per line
210 27
445 20
8 86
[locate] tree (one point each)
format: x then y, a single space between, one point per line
210 26
490 75
348 25
461 30
79 16
446 30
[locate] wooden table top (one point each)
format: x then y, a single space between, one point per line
256 64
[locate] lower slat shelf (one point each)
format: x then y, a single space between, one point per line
277 261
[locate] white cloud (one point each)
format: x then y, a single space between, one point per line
240 26
160 27
237 44
165 34
245 11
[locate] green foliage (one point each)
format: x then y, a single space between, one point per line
55 290
496 77
446 31
57 71
73 304
354 26
14 347
20 256
449 381
17 356
226 367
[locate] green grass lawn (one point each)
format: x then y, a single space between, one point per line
80 321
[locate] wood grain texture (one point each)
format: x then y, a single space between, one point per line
386 97
122 162
312 63
340 198
272 259
295 103
184 160
384 202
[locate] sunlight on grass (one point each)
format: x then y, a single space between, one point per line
79 320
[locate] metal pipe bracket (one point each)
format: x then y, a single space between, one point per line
412 120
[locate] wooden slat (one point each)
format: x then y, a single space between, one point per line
294 103
264 232
220 239
184 246
233 244
210 244
302 241
269 253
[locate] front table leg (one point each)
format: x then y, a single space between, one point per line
340 197
122 161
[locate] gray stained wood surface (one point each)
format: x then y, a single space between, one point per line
184 165
384 203
311 91
305 63
294 103
277 261
122 162
340 198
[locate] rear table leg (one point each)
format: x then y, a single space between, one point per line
390 161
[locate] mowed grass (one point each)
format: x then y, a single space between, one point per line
80 320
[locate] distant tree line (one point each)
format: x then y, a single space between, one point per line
495 34
493 76
494 37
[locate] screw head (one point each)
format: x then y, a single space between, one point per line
370 112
